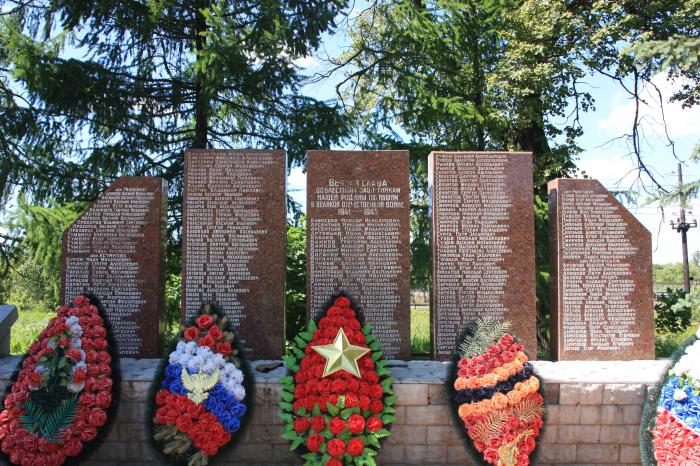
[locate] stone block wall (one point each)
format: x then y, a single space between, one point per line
594 411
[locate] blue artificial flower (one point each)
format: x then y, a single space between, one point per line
224 405
687 410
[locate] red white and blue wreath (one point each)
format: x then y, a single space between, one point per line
201 401
338 400
63 392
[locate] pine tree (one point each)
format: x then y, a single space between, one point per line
114 88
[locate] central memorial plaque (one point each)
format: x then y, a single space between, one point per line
358 239
483 244
116 251
601 275
234 236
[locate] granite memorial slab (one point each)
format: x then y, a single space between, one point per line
358 239
601 275
483 244
116 251
234 237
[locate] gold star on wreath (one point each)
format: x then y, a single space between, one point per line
341 355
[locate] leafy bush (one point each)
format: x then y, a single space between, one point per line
173 311
295 316
672 311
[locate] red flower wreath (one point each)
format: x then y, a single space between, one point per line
63 390
338 417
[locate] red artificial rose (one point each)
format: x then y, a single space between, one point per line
191 333
183 424
73 354
73 447
342 301
377 391
78 376
34 379
336 426
206 341
513 422
224 348
162 415
364 402
314 442
301 425
310 402
104 399
88 433
333 462
373 424
336 447
355 447
318 423
351 400
103 357
356 424
215 333
376 406
204 321
97 417
338 386
63 342
334 311
491 455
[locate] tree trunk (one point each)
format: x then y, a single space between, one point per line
201 106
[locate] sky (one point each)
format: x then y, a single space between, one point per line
603 157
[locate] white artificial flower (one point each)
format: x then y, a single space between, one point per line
679 395
239 392
689 364
75 388
40 368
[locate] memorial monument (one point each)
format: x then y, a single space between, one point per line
116 251
483 244
358 239
601 275
234 236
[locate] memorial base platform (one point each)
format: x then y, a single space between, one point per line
594 412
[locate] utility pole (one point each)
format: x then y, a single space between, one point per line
682 227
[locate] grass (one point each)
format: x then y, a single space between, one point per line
420 329
667 343
27 328
30 324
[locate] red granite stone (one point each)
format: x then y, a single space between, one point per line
358 239
483 244
116 251
601 275
234 236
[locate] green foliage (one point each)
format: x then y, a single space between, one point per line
481 333
173 309
542 277
665 275
420 330
96 90
48 424
673 46
39 265
295 315
672 312
27 329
